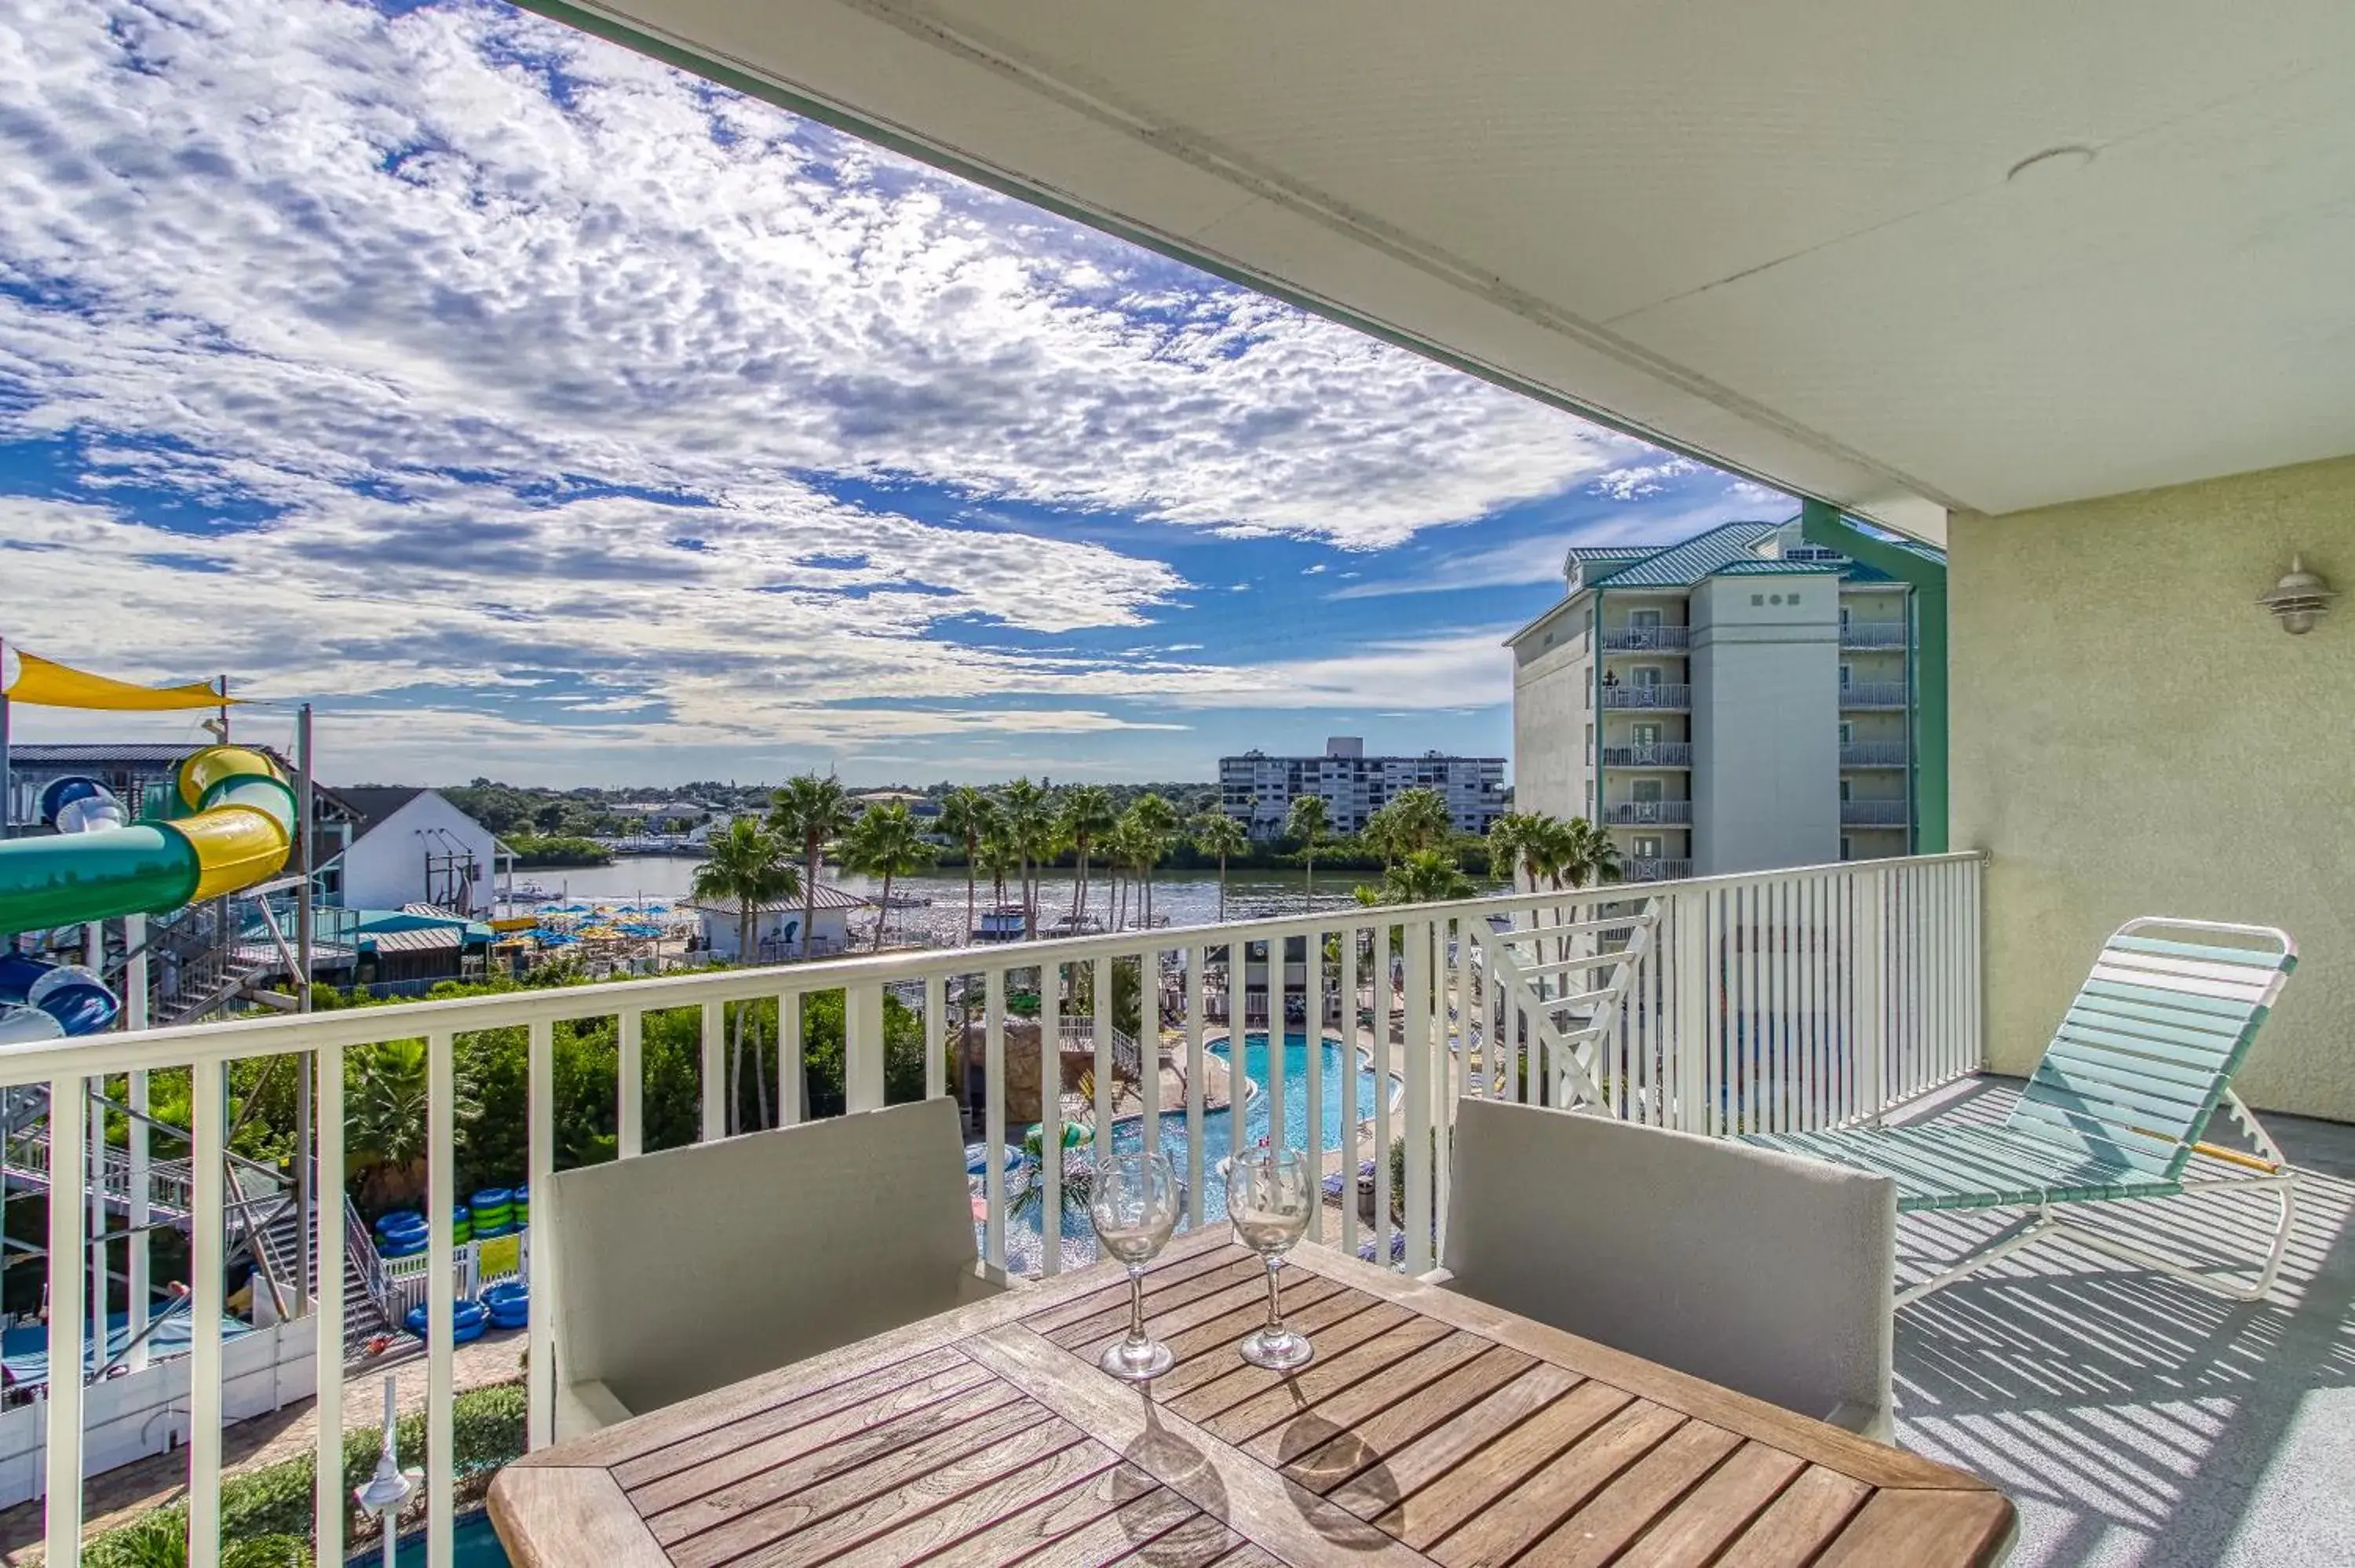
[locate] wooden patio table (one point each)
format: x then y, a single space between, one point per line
1430 1429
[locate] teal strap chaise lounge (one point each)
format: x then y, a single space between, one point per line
2117 1109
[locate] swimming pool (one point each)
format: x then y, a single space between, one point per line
474 1544
1348 1088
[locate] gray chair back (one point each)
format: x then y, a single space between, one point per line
685 1271
1759 1271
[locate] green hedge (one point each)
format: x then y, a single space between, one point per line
266 1514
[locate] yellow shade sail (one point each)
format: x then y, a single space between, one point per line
37 681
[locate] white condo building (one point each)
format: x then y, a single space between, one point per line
1257 790
1744 699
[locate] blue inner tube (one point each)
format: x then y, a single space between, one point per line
402 1245
505 1290
491 1199
467 1321
401 1220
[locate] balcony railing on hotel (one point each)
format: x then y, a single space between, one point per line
1873 754
1788 1000
1653 868
1873 695
1636 813
1873 634
1660 753
1632 696
1644 639
1873 813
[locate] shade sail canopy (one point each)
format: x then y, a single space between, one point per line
1902 258
37 681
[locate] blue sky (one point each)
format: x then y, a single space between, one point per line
541 412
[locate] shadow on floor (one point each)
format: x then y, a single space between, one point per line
2134 1419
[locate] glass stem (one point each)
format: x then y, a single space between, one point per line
1275 1297
1136 1306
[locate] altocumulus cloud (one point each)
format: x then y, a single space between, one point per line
469 342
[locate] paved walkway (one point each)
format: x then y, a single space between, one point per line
122 1495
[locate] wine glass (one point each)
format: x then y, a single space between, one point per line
1133 1205
1270 1198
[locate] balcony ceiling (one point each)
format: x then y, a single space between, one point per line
1784 235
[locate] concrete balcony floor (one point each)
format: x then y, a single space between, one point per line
2134 1419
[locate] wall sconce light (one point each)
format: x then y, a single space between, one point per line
2299 600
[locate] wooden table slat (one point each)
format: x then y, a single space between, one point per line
1430 1429
1056 1519
1717 1510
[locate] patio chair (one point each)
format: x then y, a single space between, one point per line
685 1271
2117 1109
1764 1273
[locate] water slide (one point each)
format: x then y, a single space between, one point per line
232 826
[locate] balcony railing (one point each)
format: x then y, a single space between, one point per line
1873 634
1660 753
1873 813
1638 813
1644 639
1645 696
1873 754
1873 695
1784 1000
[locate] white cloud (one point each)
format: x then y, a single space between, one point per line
1313 571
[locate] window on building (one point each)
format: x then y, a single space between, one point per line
1646 676
1647 846
1848 851
1844 789
1646 792
1847 733
1647 735
1848 673
1590 746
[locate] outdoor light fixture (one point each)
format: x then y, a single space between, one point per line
382 1494
2299 600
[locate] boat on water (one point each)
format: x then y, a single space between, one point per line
1007 923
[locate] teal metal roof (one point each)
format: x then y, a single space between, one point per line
1681 565
1758 569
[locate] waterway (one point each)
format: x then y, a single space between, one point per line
1181 898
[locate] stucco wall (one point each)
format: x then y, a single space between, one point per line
1765 718
1551 681
2133 735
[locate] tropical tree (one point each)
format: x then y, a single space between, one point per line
996 858
969 817
752 866
1087 815
1415 819
884 841
1419 876
1028 818
811 812
1524 844
1583 854
1156 828
1216 834
386 1104
1309 824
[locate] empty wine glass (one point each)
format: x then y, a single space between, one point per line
1133 1205
1270 1198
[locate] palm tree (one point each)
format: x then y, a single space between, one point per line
1087 815
996 857
1029 822
1217 833
812 811
1421 876
1415 820
748 866
388 1099
752 866
969 817
1309 824
1156 825
1586 854
884 841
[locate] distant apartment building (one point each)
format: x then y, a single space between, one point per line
1746 699
1257 790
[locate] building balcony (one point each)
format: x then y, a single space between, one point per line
1659 754
1873 754
1873 695
1874 634
1653 868
1875 814
1641 813
1645 638
1632 696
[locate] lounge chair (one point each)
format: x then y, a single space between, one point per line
685 1271
1767 1273
2117 1109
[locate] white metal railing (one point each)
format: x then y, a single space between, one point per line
1653 868
1873 754
1643 639
1773 1001
1873 695
1633 694
1873 813
1873 634
1659 754
1637 813
167 1179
